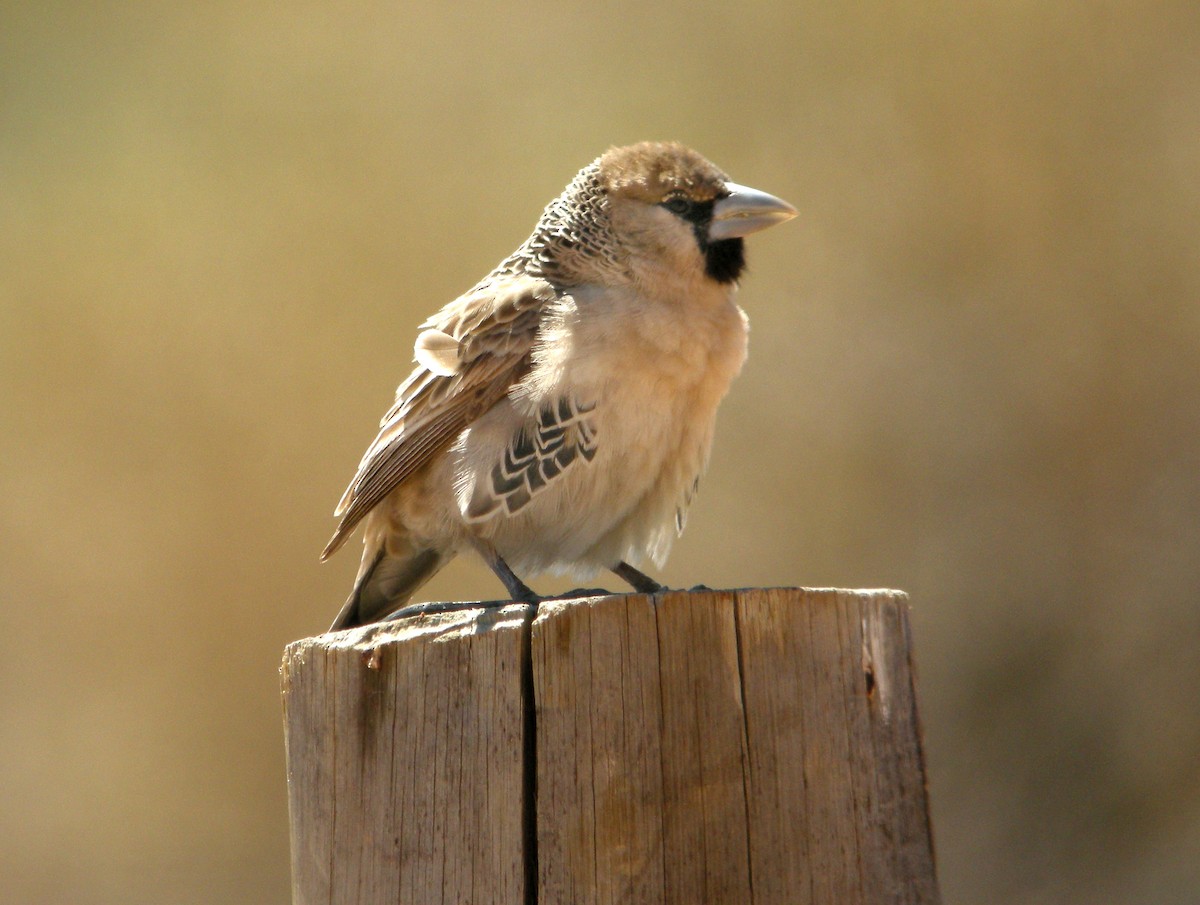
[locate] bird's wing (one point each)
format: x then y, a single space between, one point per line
561 434
468 357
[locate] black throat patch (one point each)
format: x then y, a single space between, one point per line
724 260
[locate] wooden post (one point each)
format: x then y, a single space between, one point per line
755 746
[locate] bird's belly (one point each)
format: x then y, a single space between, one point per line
653 428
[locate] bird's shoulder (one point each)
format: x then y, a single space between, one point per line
468 356
498 317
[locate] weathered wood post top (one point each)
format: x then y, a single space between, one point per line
753 746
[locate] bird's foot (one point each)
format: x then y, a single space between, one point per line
576 593
437 607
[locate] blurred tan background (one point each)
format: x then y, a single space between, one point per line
974 375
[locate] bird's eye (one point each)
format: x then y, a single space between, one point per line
678 205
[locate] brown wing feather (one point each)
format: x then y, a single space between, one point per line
496 325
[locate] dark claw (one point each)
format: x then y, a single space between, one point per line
583 592
449 606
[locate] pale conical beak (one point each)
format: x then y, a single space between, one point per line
745 210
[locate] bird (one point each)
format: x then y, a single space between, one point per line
561 412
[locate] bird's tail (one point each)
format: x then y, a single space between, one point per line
386 582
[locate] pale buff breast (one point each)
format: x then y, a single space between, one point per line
656 384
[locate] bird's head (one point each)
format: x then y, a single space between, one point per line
648 212
669 206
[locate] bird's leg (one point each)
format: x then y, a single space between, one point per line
517 589
638 580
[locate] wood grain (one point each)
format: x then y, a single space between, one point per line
756 746
405 750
